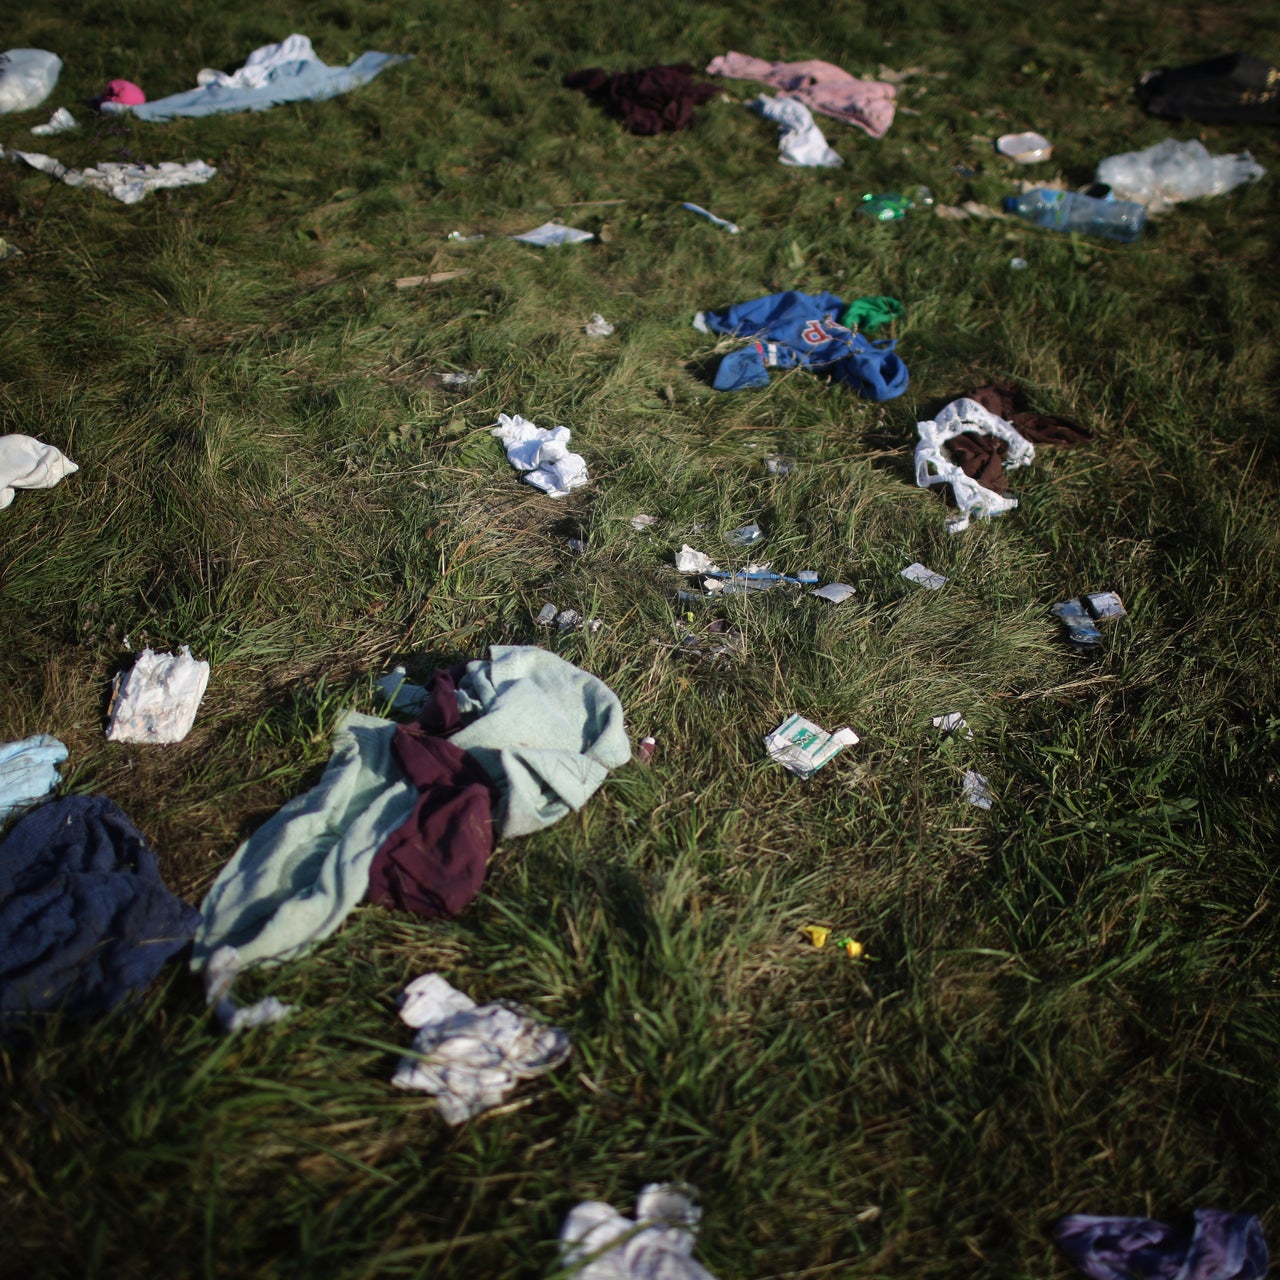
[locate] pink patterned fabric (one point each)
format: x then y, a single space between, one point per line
820 86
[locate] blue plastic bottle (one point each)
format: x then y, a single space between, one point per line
1070 211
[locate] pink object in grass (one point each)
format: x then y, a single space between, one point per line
125 92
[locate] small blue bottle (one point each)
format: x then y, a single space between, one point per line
1069 211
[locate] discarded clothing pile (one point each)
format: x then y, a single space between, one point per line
598 1243
1223 1246
127 183
1238 88
820 86
28 771
28 463
405 815
85 919
469 1057
286 72
649 101
803 329
973 439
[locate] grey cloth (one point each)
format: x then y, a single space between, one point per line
85 918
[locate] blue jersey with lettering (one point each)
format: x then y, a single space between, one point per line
803 328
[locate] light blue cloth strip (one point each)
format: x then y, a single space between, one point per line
289 82
28 771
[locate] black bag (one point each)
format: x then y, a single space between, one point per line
1236 88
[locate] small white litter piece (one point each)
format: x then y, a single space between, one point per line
976 790
401 693
642 522
458 238
836 592
157 700
923 577
62 121
220 972
551 234
800 142
802 747
28 463
598 1243
1024 148
547 616
779 464
471 1057
598 327
690 561
700 322
731 227
460 381
1104 605
952 722
542 455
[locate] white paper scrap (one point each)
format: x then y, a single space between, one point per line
690 561
542 455
952 722
642 522
599 327
62 121
976 789
917 573
157 700
803 747
836 592
551 234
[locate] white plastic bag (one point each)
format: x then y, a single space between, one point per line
1172 171
27 77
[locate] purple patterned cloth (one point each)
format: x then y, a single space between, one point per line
1224 1246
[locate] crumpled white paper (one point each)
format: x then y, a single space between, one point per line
470 1057
28 463
976 789
923 577
598 327
127 183
657 1245
802 747
933 466
62 121
543 455
800 141
157 700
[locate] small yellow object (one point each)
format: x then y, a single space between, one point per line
816 934
852 948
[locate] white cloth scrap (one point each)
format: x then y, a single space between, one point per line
598 1243
599 327
259 65
690 561
542 455
933 466
551 234
923 577
802 747
800 141
952 722
28 463
127 183
28 771
469 1056
976 789
62 121
219 977
157 700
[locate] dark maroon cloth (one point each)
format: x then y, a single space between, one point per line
433 864
650 100
1011 404
980 457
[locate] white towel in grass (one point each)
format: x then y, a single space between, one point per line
542 455
28 463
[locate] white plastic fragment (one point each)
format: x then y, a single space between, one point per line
731 227
1024 148
745 535
923 577
598 327
568 620
1018 264
700 322
598 1243
933 466
1104 605
28 463
779 464
470 1057
1170 171
542 455
952 722
157 700
458 381
802 747
690 561
976 789
642 522
836 592
551 234
27 77
547 616
458 238
220 972
62 121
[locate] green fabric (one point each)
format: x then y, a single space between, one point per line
547 733
297 878
871 312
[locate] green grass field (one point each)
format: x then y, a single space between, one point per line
1067 1004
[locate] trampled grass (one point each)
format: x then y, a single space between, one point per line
1067 1004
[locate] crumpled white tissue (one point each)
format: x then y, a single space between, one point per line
470 1057
690 561
657 1245
933 466
220 972
28 463
62 121
127 183
543 455
157 700
599 327
800 141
